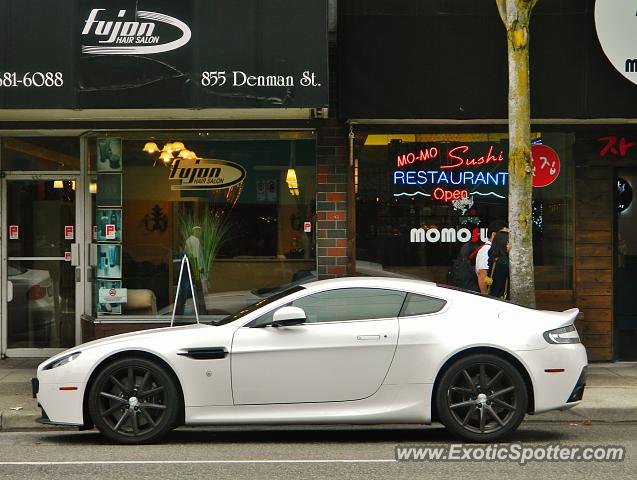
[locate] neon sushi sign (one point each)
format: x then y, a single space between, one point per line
454 169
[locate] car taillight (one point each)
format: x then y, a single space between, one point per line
36 292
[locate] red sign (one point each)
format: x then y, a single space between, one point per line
449 195
14 232
67 256
307 227
546 165
110 231
68 232
615 146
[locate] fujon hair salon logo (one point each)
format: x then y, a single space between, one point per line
117 36
205 174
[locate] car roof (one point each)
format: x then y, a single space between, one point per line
372 282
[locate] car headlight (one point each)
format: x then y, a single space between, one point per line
566 334
62 361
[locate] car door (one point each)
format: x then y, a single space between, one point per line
342 352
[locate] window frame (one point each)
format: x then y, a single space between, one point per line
442 309
405 292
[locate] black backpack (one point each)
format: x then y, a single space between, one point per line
462 273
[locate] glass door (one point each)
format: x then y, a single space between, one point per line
41 263
626 266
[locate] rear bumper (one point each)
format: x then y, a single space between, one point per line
578 391
558 374
35 387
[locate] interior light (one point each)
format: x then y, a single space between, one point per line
291 178
58 184
356 176
166 157
192 155
168 148
92 188
151 147
178 146
185 153
73 184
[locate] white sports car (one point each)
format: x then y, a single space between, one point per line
348 351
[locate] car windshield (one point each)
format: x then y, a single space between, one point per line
300 277
261 303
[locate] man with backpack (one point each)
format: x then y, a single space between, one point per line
462 273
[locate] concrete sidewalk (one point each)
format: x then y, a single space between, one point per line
610 396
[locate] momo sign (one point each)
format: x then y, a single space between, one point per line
122 33
616 24
447 235
205 174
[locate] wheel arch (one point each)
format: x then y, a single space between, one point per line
478 350
134 354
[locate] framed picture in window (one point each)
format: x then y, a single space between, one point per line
109 155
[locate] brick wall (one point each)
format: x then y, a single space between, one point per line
333 245
331 200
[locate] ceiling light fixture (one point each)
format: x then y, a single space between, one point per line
151 147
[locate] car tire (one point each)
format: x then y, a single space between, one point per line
481 398
134 401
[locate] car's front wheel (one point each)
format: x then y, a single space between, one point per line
133 400
481 398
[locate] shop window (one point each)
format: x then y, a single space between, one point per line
236 205
420 197
40 154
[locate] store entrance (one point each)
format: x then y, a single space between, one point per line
41 263
625 277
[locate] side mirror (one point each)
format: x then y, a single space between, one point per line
288 316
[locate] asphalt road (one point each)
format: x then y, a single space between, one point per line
327 452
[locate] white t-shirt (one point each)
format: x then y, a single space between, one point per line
193 248
482 257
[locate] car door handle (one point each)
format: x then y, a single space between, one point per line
368 337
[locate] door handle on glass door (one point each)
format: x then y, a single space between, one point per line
368 337
9 290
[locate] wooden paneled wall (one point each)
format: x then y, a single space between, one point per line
594 224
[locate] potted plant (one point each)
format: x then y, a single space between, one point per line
203 236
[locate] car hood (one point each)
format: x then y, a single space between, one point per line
141 337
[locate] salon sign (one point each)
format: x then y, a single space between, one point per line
205 174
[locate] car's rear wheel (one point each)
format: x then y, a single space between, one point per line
133 400
481 398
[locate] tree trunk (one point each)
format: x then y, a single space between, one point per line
516 16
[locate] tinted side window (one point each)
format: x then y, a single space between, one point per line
351 304
422 305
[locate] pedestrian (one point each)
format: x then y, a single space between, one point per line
498 279
462 273
482 257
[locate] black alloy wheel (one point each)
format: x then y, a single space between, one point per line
481 398
133 400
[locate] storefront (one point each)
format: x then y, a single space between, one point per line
134 132
423 86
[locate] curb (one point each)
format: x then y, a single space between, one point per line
20 421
